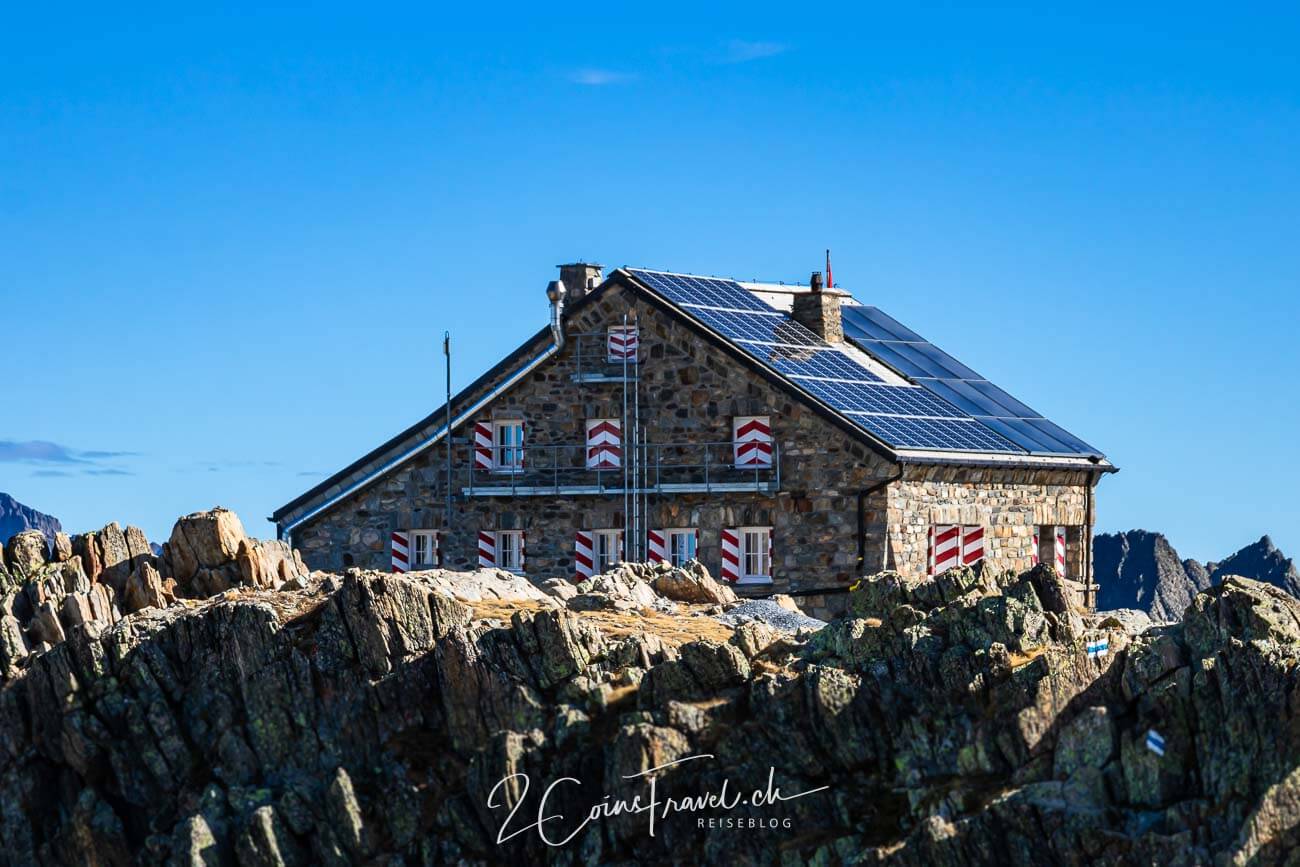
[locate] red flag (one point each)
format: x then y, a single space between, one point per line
830 281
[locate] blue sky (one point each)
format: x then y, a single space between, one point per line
230 242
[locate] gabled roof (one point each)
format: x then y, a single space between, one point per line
886 379
908 399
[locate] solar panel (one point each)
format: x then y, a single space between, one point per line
757 327
950 407
889 341
949 434
818 364
881 398
701 291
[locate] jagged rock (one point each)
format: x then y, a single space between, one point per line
623 588
114 557
1088 741
1142 570
13 646
45 625
62 547
560 588
144 589
753 637
1132 620
690 583
483 584
26 552
86 548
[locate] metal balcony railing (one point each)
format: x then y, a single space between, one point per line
589 355
541 470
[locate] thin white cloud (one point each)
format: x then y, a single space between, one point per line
598 77
743 51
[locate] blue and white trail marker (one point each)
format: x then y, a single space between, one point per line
1098 647
1155 742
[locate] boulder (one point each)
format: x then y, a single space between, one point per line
690 583
27 552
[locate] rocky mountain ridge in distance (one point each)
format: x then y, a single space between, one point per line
15 518
1140 569
1262 561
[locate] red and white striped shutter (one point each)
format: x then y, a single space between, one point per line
972 545
730 555
482 445
656 546
487 549
753 441
583 556
1060 551
523 550
624 341
401 543
604 444
945 548
1033 553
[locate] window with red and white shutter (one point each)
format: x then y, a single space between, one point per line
954 545
624 344
752 435
604 444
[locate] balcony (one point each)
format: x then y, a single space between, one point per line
682 468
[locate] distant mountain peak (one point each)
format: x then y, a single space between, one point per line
1262 561
15 517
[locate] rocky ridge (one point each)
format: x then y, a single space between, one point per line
48 589
374 718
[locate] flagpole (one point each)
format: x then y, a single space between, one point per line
446 351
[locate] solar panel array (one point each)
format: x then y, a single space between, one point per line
904 416
891 342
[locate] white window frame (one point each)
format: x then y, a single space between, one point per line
501 449
516 548
763 558
611 555
672 544
429 538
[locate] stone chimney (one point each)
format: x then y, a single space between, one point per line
579 278
818 310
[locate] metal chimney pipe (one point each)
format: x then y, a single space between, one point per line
555 293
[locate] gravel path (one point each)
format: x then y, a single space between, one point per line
773 615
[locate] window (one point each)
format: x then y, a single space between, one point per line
424 548
954 545
609 545
508 445
623 344
510 550
1053 545
681 546
604 444
755 554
